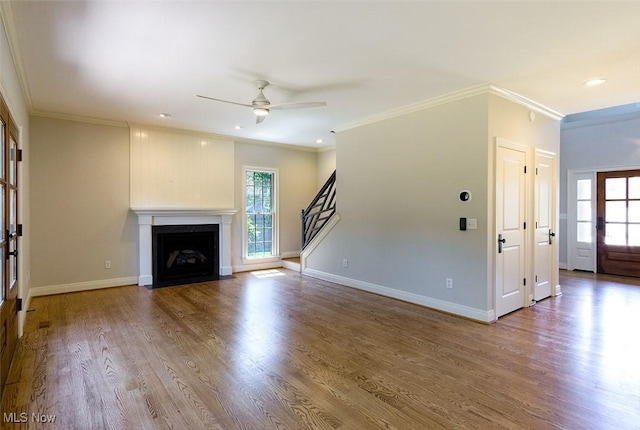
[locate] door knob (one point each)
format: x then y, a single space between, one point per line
551 235
501 240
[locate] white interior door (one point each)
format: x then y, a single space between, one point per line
510 229
544 224
581 223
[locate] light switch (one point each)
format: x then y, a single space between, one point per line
472 224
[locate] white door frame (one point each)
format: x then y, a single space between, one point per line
572 215
550 263
526 289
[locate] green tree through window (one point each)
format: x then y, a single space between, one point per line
260 211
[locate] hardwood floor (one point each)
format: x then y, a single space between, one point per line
276 350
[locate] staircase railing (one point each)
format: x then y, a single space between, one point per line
319 210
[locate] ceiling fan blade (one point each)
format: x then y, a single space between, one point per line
301 105
259 118
223 101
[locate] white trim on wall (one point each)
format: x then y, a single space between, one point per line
80 286
440 305
455 96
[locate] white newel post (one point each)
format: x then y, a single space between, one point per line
148 217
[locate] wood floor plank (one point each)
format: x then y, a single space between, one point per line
285 351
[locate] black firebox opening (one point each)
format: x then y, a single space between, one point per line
185 254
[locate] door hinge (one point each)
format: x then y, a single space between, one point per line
19 155
525 169
19 304
524 225
524 281
536 170
19 229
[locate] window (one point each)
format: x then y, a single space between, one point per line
584 222
260 209
622 211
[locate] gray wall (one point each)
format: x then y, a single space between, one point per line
398 183
80 203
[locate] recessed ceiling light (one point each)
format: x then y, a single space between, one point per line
594 82
164 115
238 127
319 141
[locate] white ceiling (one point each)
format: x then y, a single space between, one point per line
128 60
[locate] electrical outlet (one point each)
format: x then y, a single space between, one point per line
107 264
449 283
345 263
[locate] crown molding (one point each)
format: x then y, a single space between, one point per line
526 102
452 97
6 14
224 137
79 118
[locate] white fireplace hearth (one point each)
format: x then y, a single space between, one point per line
148 217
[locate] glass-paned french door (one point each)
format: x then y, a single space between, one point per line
618 222
9 159
260 213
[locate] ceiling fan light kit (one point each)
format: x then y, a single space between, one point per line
261 105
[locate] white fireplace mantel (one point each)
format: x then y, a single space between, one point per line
148 217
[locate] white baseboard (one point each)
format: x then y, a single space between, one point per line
562 265
441 305
257 266
80 286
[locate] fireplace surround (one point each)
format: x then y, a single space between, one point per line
150 217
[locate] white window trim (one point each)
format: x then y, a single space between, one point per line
276 218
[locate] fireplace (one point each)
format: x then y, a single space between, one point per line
184 254
182 222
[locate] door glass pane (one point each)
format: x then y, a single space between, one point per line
616 212
584 189
2 274
584 211
634 187
634 211
13 211
584 232
2 212
13 155
634 234
2 132
13 265
615 188
615 234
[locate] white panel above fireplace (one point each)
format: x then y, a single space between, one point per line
148 217
171 168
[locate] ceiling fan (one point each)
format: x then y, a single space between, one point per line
261 105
